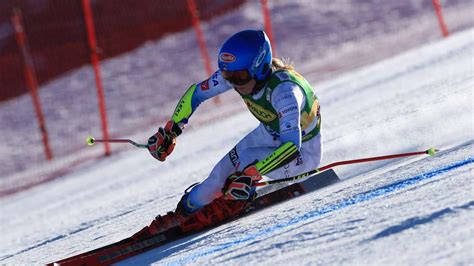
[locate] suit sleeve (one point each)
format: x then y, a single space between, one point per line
288 100
197 94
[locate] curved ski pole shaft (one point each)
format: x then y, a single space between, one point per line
91 141
431 152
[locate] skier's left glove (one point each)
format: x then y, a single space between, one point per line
162 143
241 185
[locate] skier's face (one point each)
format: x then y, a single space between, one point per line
240 79
246 88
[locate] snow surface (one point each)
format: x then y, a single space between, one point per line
410 211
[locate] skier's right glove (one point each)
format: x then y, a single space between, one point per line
162 143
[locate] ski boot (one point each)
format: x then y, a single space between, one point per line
159 224
213 214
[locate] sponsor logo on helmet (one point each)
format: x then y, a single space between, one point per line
259 112
226 57
260 58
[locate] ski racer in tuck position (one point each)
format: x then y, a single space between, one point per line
287 140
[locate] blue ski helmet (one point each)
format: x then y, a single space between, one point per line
247 50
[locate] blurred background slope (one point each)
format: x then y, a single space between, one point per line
58 40
144 72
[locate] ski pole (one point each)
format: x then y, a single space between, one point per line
91 141
431 152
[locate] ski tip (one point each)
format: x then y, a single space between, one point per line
432 151
90 141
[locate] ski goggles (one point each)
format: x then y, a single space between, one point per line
239 77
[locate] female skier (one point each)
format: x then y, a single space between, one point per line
286 143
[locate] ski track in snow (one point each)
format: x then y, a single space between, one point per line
409 211
370 195
373 194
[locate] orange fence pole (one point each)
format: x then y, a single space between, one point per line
88 17
439 14
193 11
268 24
30 76
200 35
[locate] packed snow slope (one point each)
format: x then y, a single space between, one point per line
408 211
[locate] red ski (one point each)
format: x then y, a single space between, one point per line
168 228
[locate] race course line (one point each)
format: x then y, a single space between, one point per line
328 209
